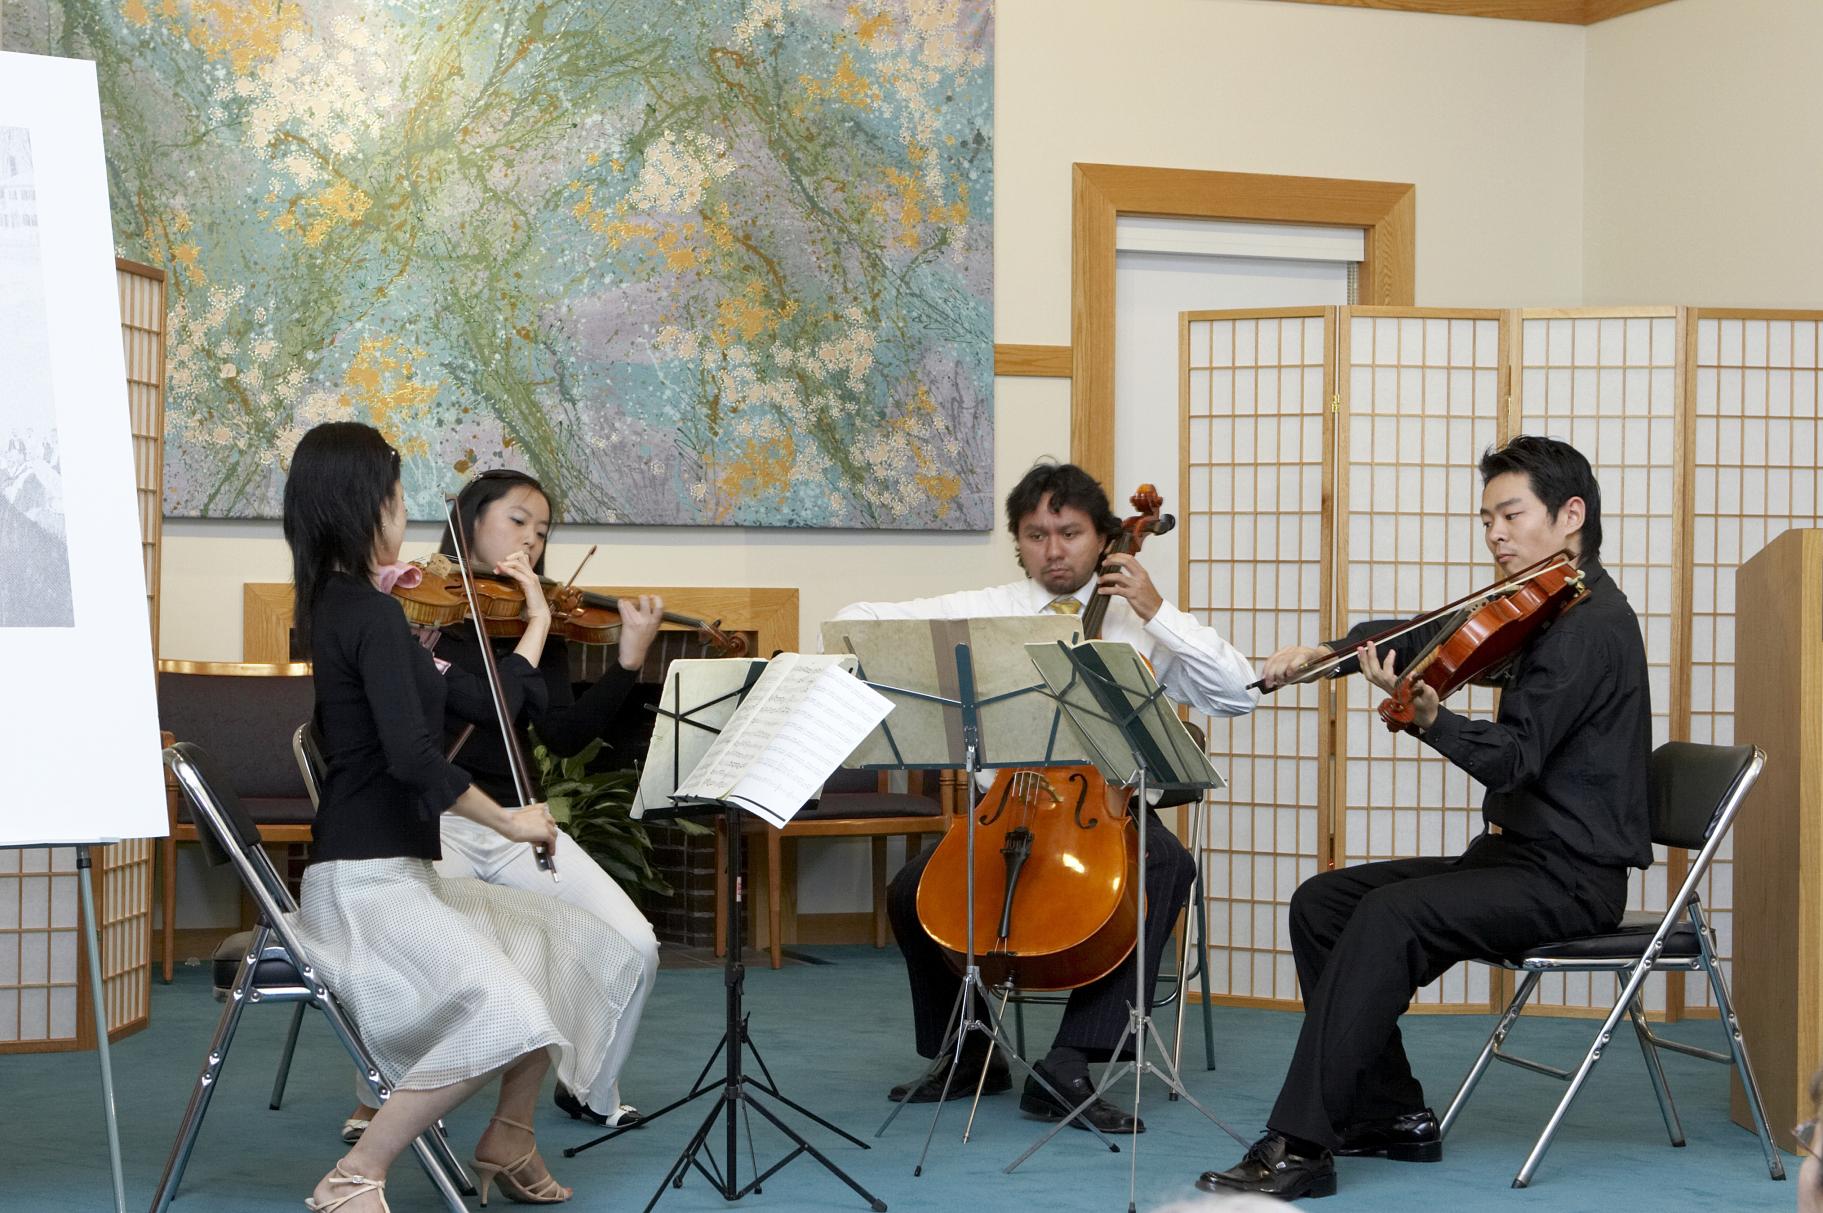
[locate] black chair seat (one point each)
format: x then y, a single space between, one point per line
229 955
868 805
1628 939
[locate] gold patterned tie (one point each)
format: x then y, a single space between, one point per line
1064 606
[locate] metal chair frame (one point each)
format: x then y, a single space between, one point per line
273 940
1630 970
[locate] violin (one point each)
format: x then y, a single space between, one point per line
1061 909
1478 637
1489 637
439 600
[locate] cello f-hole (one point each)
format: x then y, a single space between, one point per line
1082 798
988 819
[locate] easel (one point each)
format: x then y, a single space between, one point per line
1002 719
1117 709
91 937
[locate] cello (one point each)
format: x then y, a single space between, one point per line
1056 884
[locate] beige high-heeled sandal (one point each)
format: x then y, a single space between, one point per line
362 1186
541 1191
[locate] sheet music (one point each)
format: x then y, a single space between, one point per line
801 719
699 697
837 712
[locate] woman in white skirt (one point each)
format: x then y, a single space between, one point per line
506 516
450 983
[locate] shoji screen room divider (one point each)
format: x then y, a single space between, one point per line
1329 476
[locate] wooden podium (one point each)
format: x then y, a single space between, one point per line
1778 839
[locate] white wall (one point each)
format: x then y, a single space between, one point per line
1485 117
1703 158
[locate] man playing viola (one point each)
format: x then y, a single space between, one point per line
1564 764
1060 520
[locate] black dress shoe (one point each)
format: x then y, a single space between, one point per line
928 1087
1271 1169
1039 1104
1413 1137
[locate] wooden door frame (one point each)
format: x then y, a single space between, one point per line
1386 212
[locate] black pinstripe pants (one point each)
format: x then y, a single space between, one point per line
1096 1013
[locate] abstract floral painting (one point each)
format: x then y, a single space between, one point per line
691 262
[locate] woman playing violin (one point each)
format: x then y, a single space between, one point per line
507 519
454 983
1564 764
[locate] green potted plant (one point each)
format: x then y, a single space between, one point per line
596 808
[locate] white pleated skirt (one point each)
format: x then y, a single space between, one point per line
452 979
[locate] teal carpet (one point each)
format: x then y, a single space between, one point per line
836 1037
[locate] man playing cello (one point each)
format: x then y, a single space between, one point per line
1564 763
1060 520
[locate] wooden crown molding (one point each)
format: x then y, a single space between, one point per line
1561 12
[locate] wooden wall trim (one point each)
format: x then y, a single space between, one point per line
1561 12
1100 193
1036 361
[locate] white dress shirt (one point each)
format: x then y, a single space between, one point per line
1191 661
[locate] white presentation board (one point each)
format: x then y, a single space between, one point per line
79 726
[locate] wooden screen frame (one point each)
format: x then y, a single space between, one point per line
771 614
1386 212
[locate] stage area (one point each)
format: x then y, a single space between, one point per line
836 1036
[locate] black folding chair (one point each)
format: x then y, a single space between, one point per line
1695 793
276 969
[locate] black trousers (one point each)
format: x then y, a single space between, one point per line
1367 937
1096 1013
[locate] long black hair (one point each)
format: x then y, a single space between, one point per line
481 492
342 475
1557 472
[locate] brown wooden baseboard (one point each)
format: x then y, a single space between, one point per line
854 927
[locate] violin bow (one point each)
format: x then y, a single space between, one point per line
1311 670
515 754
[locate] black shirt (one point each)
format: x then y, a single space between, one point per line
378 695
1565 757
565 721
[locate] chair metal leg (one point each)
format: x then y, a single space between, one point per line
1636 977
213 1061
431 1148
1527 983
291 1044
1737 1045
1019 1025
1202 967
1667 1107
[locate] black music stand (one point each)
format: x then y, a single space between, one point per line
955 732
738 1093
1117 709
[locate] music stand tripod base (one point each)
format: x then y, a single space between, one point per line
738 1094
1122 723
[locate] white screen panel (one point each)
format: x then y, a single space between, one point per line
1253 560
1607 385
1755 477
1421 404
